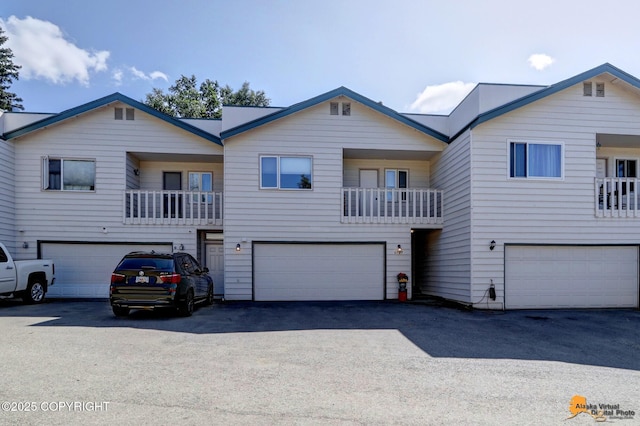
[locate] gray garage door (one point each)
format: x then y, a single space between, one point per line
318 271
84 270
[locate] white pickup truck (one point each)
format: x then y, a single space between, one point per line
28 279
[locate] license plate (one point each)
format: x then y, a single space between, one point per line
142 280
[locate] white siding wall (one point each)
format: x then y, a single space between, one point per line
252 214
7 195
546 211
85 216
448 255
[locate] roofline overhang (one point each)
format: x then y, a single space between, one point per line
107 100
341 91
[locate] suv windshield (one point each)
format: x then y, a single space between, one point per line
147 263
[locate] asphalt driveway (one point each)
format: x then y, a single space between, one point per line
351 363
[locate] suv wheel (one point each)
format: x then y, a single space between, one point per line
209 300
186 308
119 311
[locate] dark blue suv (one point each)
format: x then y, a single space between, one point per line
150 280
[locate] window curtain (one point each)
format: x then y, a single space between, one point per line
545 160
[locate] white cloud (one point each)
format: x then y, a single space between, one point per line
42 51
540 61
117 76
441 98
157 74
152 76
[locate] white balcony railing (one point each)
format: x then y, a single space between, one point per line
385 205
617 197
172 207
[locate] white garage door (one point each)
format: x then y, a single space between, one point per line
84 270
318 271
571 277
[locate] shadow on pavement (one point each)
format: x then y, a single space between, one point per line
608 338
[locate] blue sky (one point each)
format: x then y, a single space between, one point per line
414 56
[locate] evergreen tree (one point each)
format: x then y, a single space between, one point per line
8 72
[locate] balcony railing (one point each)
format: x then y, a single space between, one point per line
172 207
617 197
386 205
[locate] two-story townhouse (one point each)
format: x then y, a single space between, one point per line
94 182
522 197
321 199
544 209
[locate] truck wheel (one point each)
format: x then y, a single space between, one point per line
186 308
34 293
119 311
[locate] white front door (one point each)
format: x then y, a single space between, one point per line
215 263
601 168
369 179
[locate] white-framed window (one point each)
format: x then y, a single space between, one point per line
627 168
397 179
68 174
537 160
285 172
203 182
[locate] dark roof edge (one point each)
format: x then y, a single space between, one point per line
341 91
115 97
554 88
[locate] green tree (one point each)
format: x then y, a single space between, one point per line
185 99
8 72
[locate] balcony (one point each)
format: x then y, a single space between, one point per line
616 197
386 205
172 208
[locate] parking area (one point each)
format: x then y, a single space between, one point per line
337 363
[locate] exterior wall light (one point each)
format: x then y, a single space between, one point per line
238 247
492 245
399 249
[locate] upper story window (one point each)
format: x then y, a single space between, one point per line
201 182
399 179
535 160
281 172
62 174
